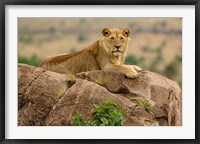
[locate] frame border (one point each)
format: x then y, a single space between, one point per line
3 4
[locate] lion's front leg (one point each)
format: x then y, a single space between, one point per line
130 71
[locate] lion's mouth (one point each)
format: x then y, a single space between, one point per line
117 53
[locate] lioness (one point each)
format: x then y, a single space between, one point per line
107 53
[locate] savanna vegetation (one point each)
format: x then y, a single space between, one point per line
155 43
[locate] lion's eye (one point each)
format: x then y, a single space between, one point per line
112 38
121 38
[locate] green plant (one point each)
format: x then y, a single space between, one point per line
145 103
81 37
163 24
108 114
178 59
28 38
78 120
34 60
52 30
105 114
131 59
172 70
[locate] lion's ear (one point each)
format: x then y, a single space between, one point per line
106 32
126 32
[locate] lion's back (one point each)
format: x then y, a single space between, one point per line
71 63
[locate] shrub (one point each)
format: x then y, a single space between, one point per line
52 30
178 59
163 24
26 38
81 37
34 60
78 120
130 59
172 70
106 114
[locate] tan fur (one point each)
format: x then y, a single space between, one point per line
101 55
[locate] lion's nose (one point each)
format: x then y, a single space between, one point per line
117 47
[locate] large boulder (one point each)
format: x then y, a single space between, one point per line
49 98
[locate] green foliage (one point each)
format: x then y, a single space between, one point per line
173 68
52 30
26 38
106 114
34 60
78 120
131 59
178 59
180 83
163 24
145 103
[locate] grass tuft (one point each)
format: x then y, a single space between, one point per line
145 103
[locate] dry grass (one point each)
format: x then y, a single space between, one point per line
54 36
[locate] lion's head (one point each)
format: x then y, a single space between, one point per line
115 41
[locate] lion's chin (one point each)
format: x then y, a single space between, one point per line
117 53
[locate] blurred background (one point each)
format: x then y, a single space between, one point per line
155 45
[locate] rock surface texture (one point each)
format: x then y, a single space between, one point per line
51 99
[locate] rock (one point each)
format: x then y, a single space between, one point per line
38 91
49 98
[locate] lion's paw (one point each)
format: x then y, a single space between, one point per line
132 73
137 68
